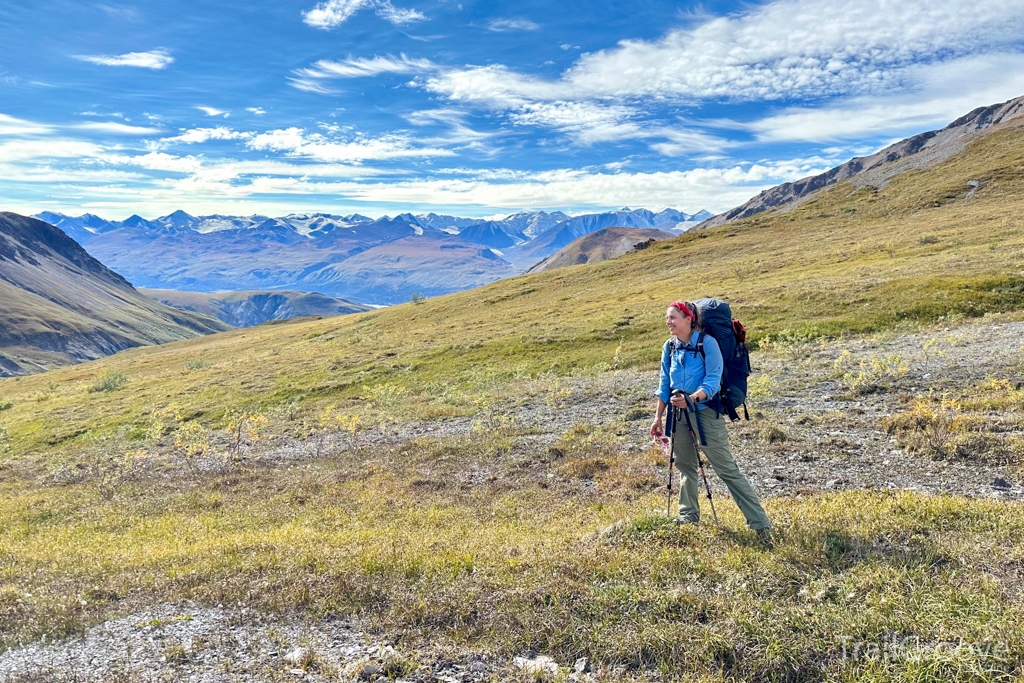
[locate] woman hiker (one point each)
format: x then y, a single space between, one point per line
683 368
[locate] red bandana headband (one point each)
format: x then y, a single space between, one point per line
684 308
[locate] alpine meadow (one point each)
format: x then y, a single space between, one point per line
468 481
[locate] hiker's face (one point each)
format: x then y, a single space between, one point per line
678 324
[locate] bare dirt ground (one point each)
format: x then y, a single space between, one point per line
813 429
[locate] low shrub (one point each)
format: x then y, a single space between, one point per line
112 381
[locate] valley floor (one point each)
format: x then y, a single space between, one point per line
443 549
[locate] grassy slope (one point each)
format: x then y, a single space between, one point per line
502 564
849 261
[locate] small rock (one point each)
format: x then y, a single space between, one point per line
478 667
297 656
771 482
833 483
581 665
540 667
1000 483
610 532
369 671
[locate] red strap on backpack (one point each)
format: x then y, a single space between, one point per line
739 331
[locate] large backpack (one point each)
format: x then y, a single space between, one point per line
732 339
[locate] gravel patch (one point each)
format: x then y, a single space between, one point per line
207 645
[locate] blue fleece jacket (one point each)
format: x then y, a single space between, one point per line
685 369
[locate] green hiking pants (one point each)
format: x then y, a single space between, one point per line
717 453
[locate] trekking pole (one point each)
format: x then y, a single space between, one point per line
668 448
691 405
671 464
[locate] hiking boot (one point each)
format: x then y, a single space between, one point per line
683 519
766 538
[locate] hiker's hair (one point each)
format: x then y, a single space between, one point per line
690 311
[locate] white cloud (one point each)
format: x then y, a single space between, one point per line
936 94
213 111
13 126
585 122
397 15
258 111
116 128
798 48
200 135
788 49
785 50
683 142
115 114
327 15
47 149
495 85
361 67
296 142
334 12
153 59
501 25
310 85
713 188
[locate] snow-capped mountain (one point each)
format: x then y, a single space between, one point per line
425 253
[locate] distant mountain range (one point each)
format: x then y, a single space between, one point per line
378 261
61 305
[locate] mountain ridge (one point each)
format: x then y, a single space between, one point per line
61 305
923 150
601 245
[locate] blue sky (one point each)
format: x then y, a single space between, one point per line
470 108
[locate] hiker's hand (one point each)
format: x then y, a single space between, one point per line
678 400
656 428
698 396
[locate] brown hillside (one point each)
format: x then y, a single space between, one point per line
601 245
61 306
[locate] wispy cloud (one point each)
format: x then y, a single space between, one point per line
362 66
117 128
585 122
501 25
200 135
115 114
10 125
213 111
153 59
940 93
297 142
457 133
327 15
312 78
258 111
